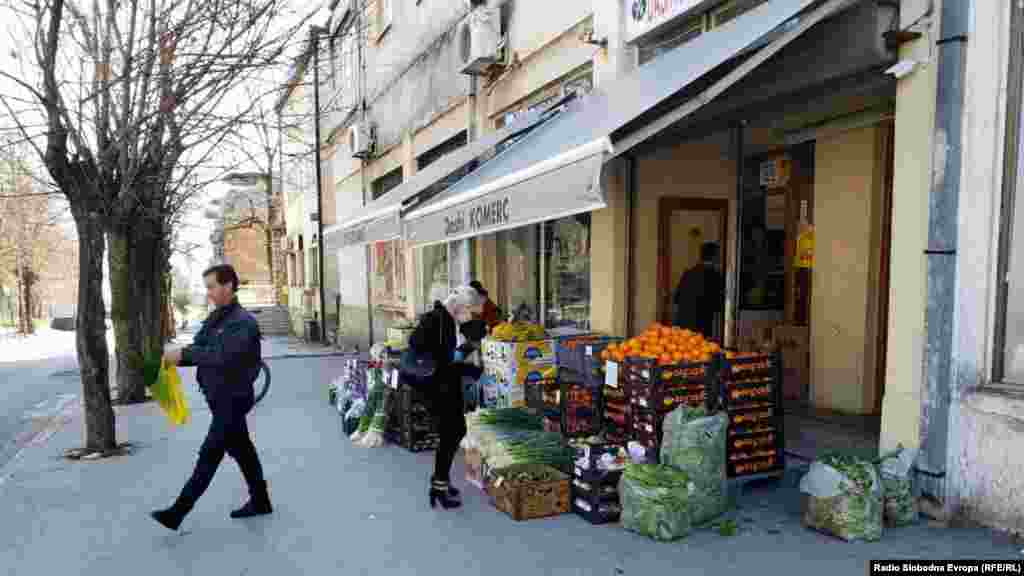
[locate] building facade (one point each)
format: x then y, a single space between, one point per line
855 160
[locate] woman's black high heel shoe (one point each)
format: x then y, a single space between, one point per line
441 493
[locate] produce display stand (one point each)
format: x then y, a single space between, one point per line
654 391
752 393
579 404
527 500
595 495
410 422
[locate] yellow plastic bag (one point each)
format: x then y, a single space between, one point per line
170 397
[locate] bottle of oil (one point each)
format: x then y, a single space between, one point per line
804 264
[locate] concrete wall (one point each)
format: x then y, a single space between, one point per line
846 197
985 472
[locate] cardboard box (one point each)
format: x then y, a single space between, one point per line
474 464
794 343
535 352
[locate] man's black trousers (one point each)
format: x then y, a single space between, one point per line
229 435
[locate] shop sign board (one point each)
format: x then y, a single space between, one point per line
643 16
571 189
380 230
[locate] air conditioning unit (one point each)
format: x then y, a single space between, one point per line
479 39
361 140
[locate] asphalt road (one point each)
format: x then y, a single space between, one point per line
38 376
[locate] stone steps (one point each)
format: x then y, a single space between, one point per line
273 320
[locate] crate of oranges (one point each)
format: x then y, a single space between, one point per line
585 357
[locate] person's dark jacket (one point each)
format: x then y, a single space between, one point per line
698 298
227 353
436 334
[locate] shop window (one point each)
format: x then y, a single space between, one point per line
519 263
433 275
441 150
388 282
567 274
386 183
1008 357
579 83
314 267
671 40
732 10
545 272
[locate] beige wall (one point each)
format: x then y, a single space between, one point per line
915 120
845 196
608 249
699 169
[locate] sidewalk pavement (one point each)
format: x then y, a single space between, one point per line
280 347
347 510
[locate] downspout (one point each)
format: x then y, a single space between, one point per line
317 31
941 251
360 43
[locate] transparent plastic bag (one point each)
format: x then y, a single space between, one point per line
843 497
656 501
695 444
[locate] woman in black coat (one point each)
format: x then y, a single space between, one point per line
436 334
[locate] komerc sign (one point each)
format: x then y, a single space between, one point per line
480 217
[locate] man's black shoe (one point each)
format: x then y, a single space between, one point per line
169 518
252 509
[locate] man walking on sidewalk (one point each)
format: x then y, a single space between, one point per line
226 352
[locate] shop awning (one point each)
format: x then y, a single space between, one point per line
526 182
379 221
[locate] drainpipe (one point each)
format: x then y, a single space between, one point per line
316 31
941 252
363 161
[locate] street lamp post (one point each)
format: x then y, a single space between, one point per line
315 33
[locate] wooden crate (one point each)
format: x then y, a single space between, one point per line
531 500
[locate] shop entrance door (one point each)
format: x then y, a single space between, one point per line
684 225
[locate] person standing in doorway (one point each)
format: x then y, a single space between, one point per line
226 352
699 298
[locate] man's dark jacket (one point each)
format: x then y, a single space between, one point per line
699 296
227 354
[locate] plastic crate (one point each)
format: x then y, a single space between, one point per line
663 388
602 513
775 462
591 461
582 356
580 408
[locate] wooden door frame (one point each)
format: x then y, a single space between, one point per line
666 206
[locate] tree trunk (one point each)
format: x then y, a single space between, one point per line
137 294
91 336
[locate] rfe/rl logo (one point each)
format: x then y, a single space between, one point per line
639 10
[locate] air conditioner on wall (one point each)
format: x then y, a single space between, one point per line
360 140
479 39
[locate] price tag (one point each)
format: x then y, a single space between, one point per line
611 374
590 350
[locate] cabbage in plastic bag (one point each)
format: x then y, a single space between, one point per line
900 504
656 501
843 497
695 444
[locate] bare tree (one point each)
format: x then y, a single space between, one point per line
126 102
28 236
